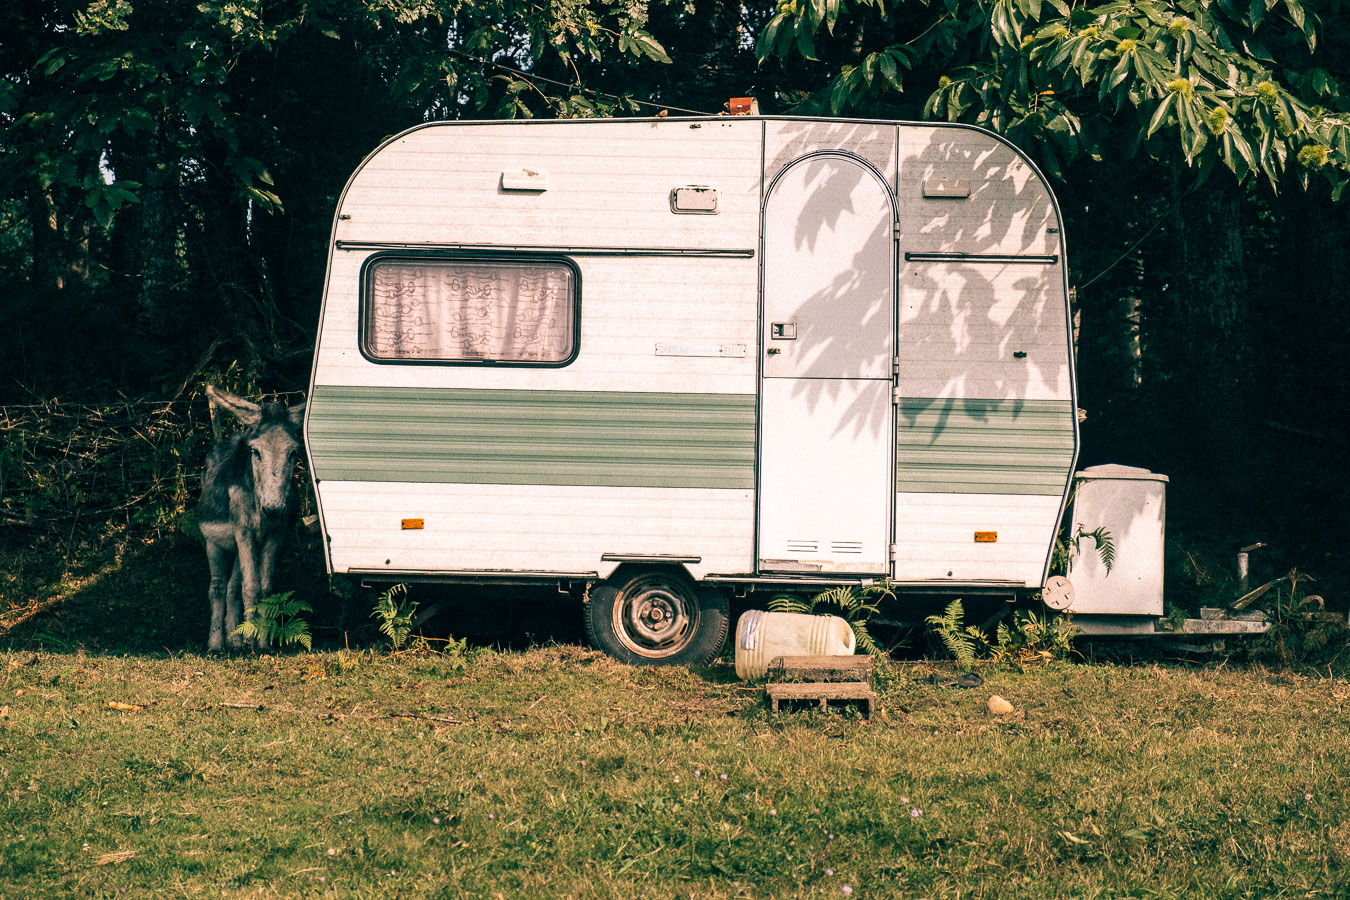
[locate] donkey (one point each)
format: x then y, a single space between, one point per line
247 506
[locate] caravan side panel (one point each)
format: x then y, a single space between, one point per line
987 429
641 445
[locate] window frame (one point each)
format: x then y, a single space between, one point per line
474 256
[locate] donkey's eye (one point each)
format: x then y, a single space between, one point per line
257 454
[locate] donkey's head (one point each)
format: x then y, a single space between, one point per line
273 443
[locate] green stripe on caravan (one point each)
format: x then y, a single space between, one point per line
969 446
604 438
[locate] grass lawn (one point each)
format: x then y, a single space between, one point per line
556 772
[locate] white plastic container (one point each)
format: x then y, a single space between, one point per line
762 636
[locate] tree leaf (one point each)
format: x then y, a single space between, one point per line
1160 114
806 45
768 38
1295 9
889 70
831 14
1118 75
650 46
812 14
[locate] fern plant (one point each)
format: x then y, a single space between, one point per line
1033 640
852 605
1061 554
277 621
961 640
1106 545
395 611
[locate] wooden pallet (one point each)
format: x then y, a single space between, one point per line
844 679
823 692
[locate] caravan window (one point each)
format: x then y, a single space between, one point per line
470 310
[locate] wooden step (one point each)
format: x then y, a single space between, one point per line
822 692
821 668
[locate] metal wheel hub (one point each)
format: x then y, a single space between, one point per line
655 618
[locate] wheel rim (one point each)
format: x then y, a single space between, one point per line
655 617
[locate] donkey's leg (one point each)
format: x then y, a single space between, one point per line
248 575
234 613
220 562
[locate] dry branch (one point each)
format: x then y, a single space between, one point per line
443 719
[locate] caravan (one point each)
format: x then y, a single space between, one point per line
660 360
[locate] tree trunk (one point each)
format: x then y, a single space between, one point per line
1213 315
145 234
48 260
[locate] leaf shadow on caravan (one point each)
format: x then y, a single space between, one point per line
829 271
970 332
951 282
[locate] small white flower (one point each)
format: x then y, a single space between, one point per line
332 852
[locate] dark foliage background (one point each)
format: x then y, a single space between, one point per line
168 175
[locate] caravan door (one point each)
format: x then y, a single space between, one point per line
827 422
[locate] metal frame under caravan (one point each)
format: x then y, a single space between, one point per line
662 357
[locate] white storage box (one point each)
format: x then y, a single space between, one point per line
1130 504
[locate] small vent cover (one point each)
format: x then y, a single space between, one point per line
694 200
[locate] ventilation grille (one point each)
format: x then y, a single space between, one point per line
837 548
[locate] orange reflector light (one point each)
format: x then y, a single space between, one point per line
986 537
412 524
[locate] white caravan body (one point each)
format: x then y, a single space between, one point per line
760 349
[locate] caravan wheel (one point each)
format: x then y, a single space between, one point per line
657 618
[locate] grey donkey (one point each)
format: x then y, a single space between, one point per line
247 506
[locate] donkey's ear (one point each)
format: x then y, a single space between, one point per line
297 414
245 411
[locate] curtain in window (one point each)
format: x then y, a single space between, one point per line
468 310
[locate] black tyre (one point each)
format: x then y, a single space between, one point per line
657 617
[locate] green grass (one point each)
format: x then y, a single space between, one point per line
556 772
